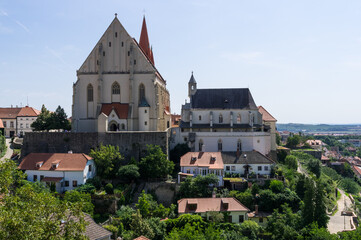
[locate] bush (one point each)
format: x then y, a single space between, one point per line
129 172
109 188
86 188
276 186
350 186
95 181
291 162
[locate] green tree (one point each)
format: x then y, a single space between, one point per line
250 229
84 199
276 186
129 172
107 160
145 204
314 165
291 162
59 120
293 141
198 186
320 215
155 164
349 185
278 139
308 210
246 197
125 214
140 227
176 153
42 121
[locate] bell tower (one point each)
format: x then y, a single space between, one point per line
192 86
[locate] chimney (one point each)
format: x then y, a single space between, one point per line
256 209
203 148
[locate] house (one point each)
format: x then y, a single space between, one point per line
201 163
225 119
247 162
2 129
94 231
325 160
8 116
235 211
259 217
120 74
60 171
357 171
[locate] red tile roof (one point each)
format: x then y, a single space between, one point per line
9 112
266 116
1 124
210 204
66 161
202 159
121 109
141 238
28 112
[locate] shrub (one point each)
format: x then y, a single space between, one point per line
109 188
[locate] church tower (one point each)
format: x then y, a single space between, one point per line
192 86
119 83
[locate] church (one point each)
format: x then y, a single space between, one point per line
118 87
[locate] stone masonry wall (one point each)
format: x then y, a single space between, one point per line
131 144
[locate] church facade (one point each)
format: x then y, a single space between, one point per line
118 87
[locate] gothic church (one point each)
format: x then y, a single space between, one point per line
118 87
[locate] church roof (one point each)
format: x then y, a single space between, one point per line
247 157
144 42
144 103
192 80
121 109
226 98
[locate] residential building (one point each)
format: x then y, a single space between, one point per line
269 123
118 87
94 231
357 171
61 171
247 162
237 212
2 129
225 120
259 217
17 121
201 163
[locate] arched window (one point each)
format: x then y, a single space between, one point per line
220 118
239 118
90 93
141 92
200 145
115 88
239 145
219 145
122 126
200 117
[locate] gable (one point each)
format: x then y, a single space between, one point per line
116 52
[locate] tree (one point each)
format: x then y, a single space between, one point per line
59 120
146 204
198 186
308 210
42 121
250 229
276 186
32 212
291 162
129 172
314 166
155 164
278 139
84 199
320 215
107 160
246 197
293 141
176 153
140 227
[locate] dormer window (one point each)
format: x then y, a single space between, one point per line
55 165
213 160
39 164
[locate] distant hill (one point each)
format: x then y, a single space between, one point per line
312 128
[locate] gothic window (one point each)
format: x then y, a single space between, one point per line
115 88
239 118
200 145
141 92
220 118
219 145
200 117
90 93
239 145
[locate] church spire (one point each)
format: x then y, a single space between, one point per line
144 41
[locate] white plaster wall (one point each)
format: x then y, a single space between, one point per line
205 116
144 118
253 168
24 123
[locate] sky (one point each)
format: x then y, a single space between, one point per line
300 59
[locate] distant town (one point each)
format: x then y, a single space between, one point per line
126 166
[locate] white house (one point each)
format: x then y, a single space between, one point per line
201 163
247 162
237 212
120 72
63 171
225 119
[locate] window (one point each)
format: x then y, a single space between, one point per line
123 126
75 183
103 54
239 145
116 34
110 44
241 218
141 92
4 123
90 168
135 62
199 117
66 183
145 123
35 178
115 88
228 168
188 171
185 139
259 168
220 118
266 168
21 125
11 124
41 177
128 53
239 118
123 45
200 145
219 145
233 168
27 125
168 124
230 219
90 93
145 110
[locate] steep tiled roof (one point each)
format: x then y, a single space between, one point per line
9 112
266 116
213 160
247 157
228 98
94 231
141 238
144 42
28 112
357 170
66 161
210 204
121 109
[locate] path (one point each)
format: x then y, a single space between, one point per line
9 151
337 222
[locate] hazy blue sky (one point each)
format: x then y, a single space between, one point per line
300 59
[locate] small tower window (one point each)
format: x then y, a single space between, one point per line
128 53
90 93
116 34
123 45
141 92
239 145
200 145
239 118
145 123
110 44
200 117
103 54
135 62
220 145
220 118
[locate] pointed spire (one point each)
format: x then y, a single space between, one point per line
151 55
144 41
192 80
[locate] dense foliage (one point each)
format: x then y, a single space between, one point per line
51 120
108 160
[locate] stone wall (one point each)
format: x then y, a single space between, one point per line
131 144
